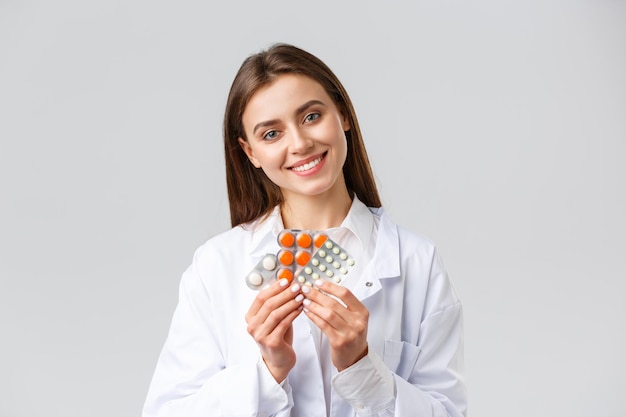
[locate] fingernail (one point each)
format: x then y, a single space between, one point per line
306 302
295 288
299 297
306 289
319 283
283 282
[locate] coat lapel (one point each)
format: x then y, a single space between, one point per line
386 261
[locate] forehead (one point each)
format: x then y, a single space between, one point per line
282 96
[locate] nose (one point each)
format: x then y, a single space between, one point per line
299 141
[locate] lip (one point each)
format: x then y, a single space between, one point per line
313 170
307 160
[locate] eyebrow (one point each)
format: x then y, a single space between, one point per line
299 110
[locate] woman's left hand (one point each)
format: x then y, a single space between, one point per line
345 326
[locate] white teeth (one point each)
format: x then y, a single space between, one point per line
308 165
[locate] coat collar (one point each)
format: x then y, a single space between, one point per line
264 232
386 261
359 222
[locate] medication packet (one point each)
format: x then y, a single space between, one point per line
305 255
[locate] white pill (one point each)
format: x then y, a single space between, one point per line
344 271
329 259
322 267
336 250
328 244
343 256
315 262
329 273
308 270
321 253
337 279
269 263
255 279
351 262
315 276
336 265
301 279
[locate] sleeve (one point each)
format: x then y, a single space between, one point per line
191 379
368 386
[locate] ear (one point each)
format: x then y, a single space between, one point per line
248 150
345 122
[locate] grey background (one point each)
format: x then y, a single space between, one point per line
496 128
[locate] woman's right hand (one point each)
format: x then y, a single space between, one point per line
270 319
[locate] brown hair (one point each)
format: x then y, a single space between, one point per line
251 194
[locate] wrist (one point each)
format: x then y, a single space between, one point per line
279 373
358 358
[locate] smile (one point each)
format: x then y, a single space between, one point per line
309 165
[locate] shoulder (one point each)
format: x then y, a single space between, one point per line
236 244
423 267
222 248
224 240
409 241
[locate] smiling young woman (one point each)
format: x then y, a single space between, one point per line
252 195
385 341
295 133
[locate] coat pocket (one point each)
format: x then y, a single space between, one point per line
400 357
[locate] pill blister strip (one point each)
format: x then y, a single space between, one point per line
307 255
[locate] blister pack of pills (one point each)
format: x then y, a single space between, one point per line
263 273
305 254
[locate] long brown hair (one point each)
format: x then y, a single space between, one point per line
251 194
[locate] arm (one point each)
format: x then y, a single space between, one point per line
427 373
191 378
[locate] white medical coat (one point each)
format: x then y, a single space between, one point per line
210 366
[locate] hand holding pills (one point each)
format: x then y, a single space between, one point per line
317 262
345 324
270 319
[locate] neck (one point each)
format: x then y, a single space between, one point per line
318 212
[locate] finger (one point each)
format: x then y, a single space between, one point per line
277 301
284 325
274 311
277 337
331 303
332 310
345 295
326 313
319 316
266 294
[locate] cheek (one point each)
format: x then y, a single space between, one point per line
270 159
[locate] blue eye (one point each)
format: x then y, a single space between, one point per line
272 134
312 116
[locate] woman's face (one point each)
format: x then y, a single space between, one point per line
296 135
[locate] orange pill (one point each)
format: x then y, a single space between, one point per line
285 257
285 273
286 239
303 257
304 240
320 239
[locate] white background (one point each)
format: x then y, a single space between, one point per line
497 128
